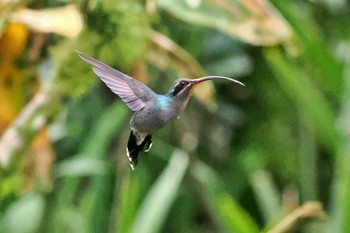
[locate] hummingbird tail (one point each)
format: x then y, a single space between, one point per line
134 147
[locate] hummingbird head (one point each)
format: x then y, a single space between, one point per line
183 88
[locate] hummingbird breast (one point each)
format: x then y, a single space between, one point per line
155 115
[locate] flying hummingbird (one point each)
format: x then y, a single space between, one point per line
151 111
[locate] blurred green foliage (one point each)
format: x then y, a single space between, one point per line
248 166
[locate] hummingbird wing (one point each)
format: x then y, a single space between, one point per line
135 94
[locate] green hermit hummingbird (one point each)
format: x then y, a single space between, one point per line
151 111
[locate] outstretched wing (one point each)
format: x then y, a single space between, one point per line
135 94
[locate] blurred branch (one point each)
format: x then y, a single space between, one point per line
267 195
165 52
308 210
164 47
22 131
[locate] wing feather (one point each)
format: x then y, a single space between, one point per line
135 94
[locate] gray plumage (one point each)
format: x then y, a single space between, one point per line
152 111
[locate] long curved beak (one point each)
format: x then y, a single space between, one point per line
206 78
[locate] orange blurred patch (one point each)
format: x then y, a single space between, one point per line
38 162
13 42
12 45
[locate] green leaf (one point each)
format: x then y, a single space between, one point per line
313 107
25 215
156 206
225 209
234 217
129 196
81 167
266 195
317 55
257 23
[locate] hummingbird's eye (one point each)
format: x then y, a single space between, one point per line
182 83
179 86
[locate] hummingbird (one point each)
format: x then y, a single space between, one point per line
151 111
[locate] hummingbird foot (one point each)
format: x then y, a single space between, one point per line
148 143
149 146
